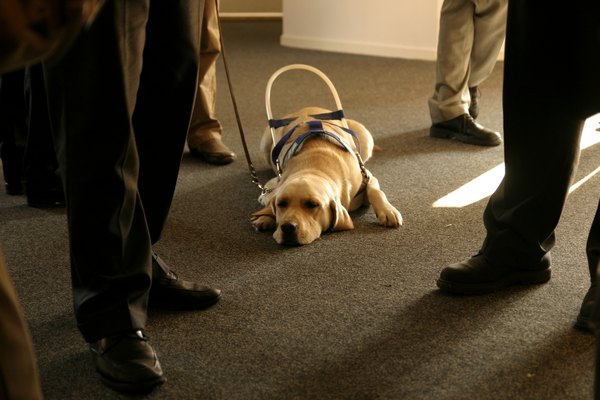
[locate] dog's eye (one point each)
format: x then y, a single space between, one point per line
311 204
282 204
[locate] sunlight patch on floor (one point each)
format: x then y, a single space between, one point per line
479 188
485 184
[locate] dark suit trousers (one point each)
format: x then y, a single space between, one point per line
120 101
13 128
551 83
549 90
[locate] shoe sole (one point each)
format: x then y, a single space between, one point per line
163 303
448 134
212 159
583 325
522 278
131 388
45 203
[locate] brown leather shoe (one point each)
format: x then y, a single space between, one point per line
213 151
14 189
465 129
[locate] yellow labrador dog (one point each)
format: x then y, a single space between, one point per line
322 178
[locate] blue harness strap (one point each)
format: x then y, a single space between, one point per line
337 115
315 128
278 123
279 146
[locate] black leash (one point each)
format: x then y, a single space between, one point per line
235 107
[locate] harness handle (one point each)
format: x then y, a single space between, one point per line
309 68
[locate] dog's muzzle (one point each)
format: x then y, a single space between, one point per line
289 232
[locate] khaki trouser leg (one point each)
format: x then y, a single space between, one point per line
204 124
490 29
470 37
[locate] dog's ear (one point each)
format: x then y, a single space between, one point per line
341 220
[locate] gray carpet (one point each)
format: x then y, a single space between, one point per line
354 315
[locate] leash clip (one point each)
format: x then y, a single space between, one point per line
279 170
363 170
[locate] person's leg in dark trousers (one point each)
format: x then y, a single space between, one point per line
522 214
120 101
13 130
42 183
92 94
589 316
161 121
593 250
542 123
163 110
28 156
588 319
545 102
541 148
29 161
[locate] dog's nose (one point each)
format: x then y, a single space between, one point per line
289 227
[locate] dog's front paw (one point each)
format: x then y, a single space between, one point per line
389 216
262 223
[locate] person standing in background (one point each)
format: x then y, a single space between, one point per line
26 37
471 34
120 101
205 134
541 151
27 152
545 103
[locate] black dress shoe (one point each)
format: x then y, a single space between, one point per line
45 199
14 188
127 363
474 106
44 189
478 276
169 291
465 129
584 319
213 151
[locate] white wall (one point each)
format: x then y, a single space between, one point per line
389 28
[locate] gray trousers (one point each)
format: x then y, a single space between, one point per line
470 37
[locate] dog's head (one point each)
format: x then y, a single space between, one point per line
304 208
